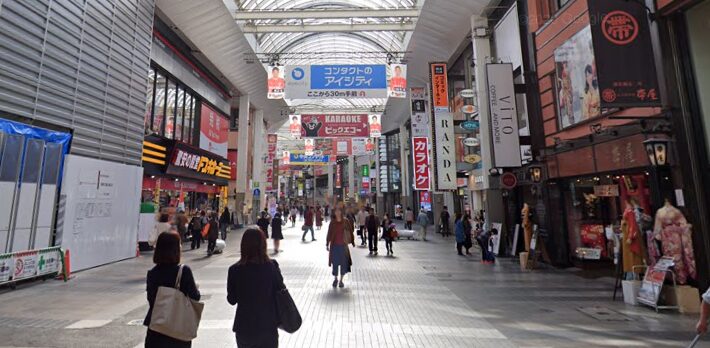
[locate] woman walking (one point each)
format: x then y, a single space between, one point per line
276 234
467 232
387 233
340 234
224 222
319 218
251 285
213 234
292 215
165 273
459 233
263 223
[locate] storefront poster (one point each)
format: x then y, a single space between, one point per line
504 115
592 236
576 80
294 126
214 131
420 117
375 126
276 83
397 80
309 146
336 81
621 29
335 125
420 157
652 284
362 146
425 200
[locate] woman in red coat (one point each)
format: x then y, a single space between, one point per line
319 218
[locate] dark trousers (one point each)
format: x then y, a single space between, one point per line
408 225
445 228
157 340
313 237
223 230
458 248
388 244
362 232
265 341
372 240
211 244
196 239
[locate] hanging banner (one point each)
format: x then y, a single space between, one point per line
420 117
375 126
276 83
271 140
425 200
366 182
338 177
301 159
384 164
362 146
232 158
214 131
286 158
309 145
420 156
397 81
439 86
577 87
336 81
294 126
504 115
621 29
342 147
335 126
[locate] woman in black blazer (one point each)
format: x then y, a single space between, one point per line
167 263
252 283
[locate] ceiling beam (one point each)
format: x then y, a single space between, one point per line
321 28
326 14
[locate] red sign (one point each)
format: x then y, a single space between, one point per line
620 27
232 158
439 85
420 155
338 179
508 180
424 197
365 183
214 131
335 125
169 184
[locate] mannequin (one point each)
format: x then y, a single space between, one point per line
527 225
631 236
674 232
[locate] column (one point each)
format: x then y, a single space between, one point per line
404 160
258 165
351 179
242 157
329 194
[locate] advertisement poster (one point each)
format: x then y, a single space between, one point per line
336 81
420 156
593 237
397 81
425 200
504 115
25 264
310 146
362 146
335 126
286 158
294 126
420 117
375 126
7 267
439 87
576 80
214 131
652 284
622 30
276 83
342 146
232 158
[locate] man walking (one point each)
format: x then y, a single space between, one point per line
308 224
372 223
444 221
360 219
423 221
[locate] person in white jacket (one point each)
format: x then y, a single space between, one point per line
162 226
360 220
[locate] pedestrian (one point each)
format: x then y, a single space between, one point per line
386 233
224 222
181 224
459 233
467 231
326 212
252 284
263 223
195 227
423 221
212 234
308 225
408 218
340 234
483 241
360 218
444 222
372 224
162 226
292 215
165 273
319 218
276 234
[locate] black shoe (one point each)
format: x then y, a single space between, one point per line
461 254
335 283
341 285
313 240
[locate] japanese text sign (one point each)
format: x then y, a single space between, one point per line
420 156
336 81
439 87
335 125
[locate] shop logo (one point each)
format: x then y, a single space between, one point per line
609 95
620 27
298 74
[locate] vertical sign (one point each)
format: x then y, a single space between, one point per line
276 83
425 200
375 126
214 131
310 145
294 126
397 81
504 115
338 177
420 154
443 119
420 118
271 140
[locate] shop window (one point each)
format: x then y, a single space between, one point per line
148 118
170 110
179 114
159 103
189 119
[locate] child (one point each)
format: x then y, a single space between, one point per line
389 234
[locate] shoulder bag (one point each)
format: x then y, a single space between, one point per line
175 314
289 318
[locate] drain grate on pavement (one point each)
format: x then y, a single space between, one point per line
603 314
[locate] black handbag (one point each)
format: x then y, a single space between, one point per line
289 318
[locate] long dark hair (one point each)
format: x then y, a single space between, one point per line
589 70
253 247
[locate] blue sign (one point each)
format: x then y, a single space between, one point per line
470 125
313 160
347 77
257 192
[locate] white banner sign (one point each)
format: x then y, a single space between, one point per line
294 126
375 126
420 116
397 81
504 115
445 151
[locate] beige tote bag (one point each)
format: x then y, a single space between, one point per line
174 314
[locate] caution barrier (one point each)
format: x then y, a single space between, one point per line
29 264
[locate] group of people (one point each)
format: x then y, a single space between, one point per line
205 226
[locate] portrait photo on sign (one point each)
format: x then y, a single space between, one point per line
576 80
294 126
276 83
375 126
397 81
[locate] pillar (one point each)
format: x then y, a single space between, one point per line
258 165
405 158
242 158
329 193
351 179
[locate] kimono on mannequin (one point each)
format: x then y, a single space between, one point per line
527 226
631 239
674 232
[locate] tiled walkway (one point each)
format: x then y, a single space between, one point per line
426 296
